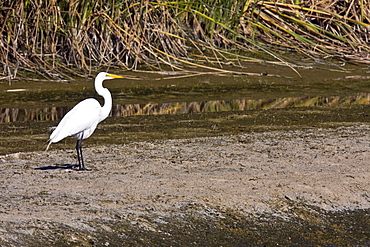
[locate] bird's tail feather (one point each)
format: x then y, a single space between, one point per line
48 146
50 129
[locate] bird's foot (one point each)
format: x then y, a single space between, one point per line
83 168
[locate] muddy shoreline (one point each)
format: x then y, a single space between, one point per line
236 189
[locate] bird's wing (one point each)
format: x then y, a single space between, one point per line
83 116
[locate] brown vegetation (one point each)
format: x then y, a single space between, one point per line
60 39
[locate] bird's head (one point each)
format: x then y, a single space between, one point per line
104 76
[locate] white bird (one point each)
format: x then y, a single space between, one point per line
81 121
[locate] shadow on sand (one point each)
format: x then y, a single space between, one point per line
63 167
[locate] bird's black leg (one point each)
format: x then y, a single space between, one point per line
79 154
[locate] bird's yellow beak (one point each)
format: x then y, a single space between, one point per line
115 76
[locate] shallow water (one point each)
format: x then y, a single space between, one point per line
157 106
40 114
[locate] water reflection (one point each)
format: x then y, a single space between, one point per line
8 115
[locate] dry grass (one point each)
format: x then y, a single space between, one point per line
62 39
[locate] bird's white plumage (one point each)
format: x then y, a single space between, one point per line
80 118
85 116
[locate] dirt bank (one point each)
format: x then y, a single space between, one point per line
251 174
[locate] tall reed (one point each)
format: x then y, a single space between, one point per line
60 39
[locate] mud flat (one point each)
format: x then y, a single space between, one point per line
295 187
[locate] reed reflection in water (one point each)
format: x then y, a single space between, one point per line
8 115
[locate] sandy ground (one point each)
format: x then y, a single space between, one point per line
249 173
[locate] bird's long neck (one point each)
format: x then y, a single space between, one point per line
107 107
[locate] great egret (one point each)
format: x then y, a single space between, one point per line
81 121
